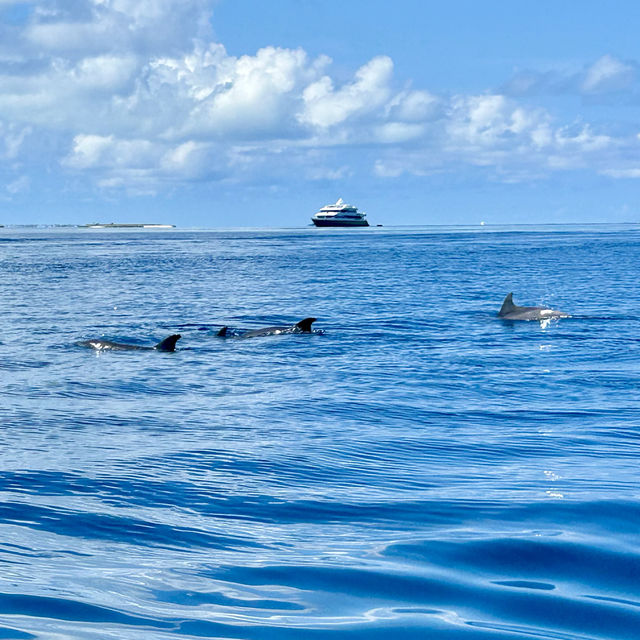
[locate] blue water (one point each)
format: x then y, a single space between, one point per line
415 468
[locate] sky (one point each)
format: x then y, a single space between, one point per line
255 113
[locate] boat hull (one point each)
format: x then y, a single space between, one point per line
339 223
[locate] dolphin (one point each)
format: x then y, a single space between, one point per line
304 326
168 344
511 311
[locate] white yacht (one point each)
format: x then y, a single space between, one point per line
340 215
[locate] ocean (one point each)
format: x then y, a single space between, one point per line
415 468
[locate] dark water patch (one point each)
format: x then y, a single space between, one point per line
75 388
15 634
525 584
133 531
74 610
535 561
536 609
376 630
18 365
9 553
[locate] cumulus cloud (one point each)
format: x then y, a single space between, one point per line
325 106
95 152
137 96
90 26
143 165
414 106
490 121
516 143
241 98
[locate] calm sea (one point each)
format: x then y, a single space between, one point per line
415 468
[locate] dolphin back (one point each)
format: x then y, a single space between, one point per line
108 345
168 344
511 311
305 325
507 305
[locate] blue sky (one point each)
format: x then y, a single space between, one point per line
252 113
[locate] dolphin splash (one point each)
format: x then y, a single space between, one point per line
511 311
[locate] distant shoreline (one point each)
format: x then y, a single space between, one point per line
126 225
328 231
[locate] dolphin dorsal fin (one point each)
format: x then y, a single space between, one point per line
223 332
168 344
507 305
305 325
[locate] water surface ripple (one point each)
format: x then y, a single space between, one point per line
415 468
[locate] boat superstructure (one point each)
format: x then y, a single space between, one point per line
340 214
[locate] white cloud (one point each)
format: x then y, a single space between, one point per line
108 73
622 173
395 132
513 142
18 185
142 165
325 106
61 37
387 169
99 152
329 173
414 106
134 94
69 96
149 26
608 74
13 138
492 122
583 140
252 96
